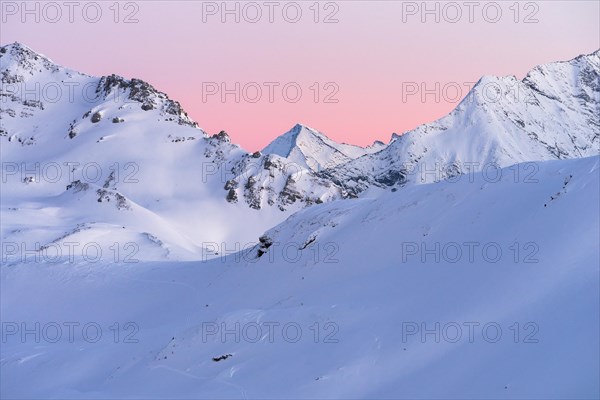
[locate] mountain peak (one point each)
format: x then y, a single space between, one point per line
299 127
300 131
20 59
285 144
16 46
501 91
312 149
21 52
21 64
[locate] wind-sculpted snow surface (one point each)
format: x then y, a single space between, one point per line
445 290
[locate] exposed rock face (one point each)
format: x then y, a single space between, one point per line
264 243
106 195
271 180
78 186
222 137
113 86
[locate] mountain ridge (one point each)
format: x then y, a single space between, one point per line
187 179
32 54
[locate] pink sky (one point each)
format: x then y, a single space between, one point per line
367 55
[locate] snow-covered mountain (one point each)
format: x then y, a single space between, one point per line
145 148
62 129
553 113
311 149
310 269
124 136
43 102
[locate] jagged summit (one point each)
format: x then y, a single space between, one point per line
573 76
144 93
20 50
584 56
19 59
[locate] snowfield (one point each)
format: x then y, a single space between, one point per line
353 303
461 260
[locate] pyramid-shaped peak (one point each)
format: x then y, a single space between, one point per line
283 145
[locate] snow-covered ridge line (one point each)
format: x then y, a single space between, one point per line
292 141
26 73
551 114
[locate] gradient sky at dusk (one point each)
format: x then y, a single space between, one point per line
368 54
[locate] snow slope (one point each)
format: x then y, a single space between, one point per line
356 286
